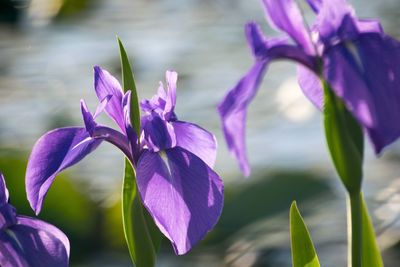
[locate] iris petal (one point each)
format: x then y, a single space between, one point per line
38 243
106 85
286 16
171 78
369 25
330 18
184 198
233 110
315 4
10 253
365 74
3 190
114 137
52 153
197 140
158 133
275 48
311 86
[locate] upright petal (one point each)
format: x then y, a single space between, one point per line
315 4
286 16
130 131
171 78
197 140
88 118
233 110
105 85
156 103
258 43
52 153
38 243
330 18
366 75
185 199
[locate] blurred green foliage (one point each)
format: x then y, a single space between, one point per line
72 7
265 196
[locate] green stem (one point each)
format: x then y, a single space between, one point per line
355 229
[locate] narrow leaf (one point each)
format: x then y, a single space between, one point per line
142 236
303 252
371 256
154 232
129 84
137 232
345 141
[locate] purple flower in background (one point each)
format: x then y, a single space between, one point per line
354 56
26 241
173 159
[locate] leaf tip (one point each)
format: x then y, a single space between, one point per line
293 208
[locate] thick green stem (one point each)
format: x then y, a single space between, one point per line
355 229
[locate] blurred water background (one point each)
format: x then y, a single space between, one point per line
47 50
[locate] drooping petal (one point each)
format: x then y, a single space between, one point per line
158 133
233 110
105 85
11 255
366 75
286 16
52 153
184 198
197 140
38 243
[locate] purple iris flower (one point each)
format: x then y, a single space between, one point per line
353 56
173 159
26 241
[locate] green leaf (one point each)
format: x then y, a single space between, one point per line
303 252
129 84
142 236
345 141
371 256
